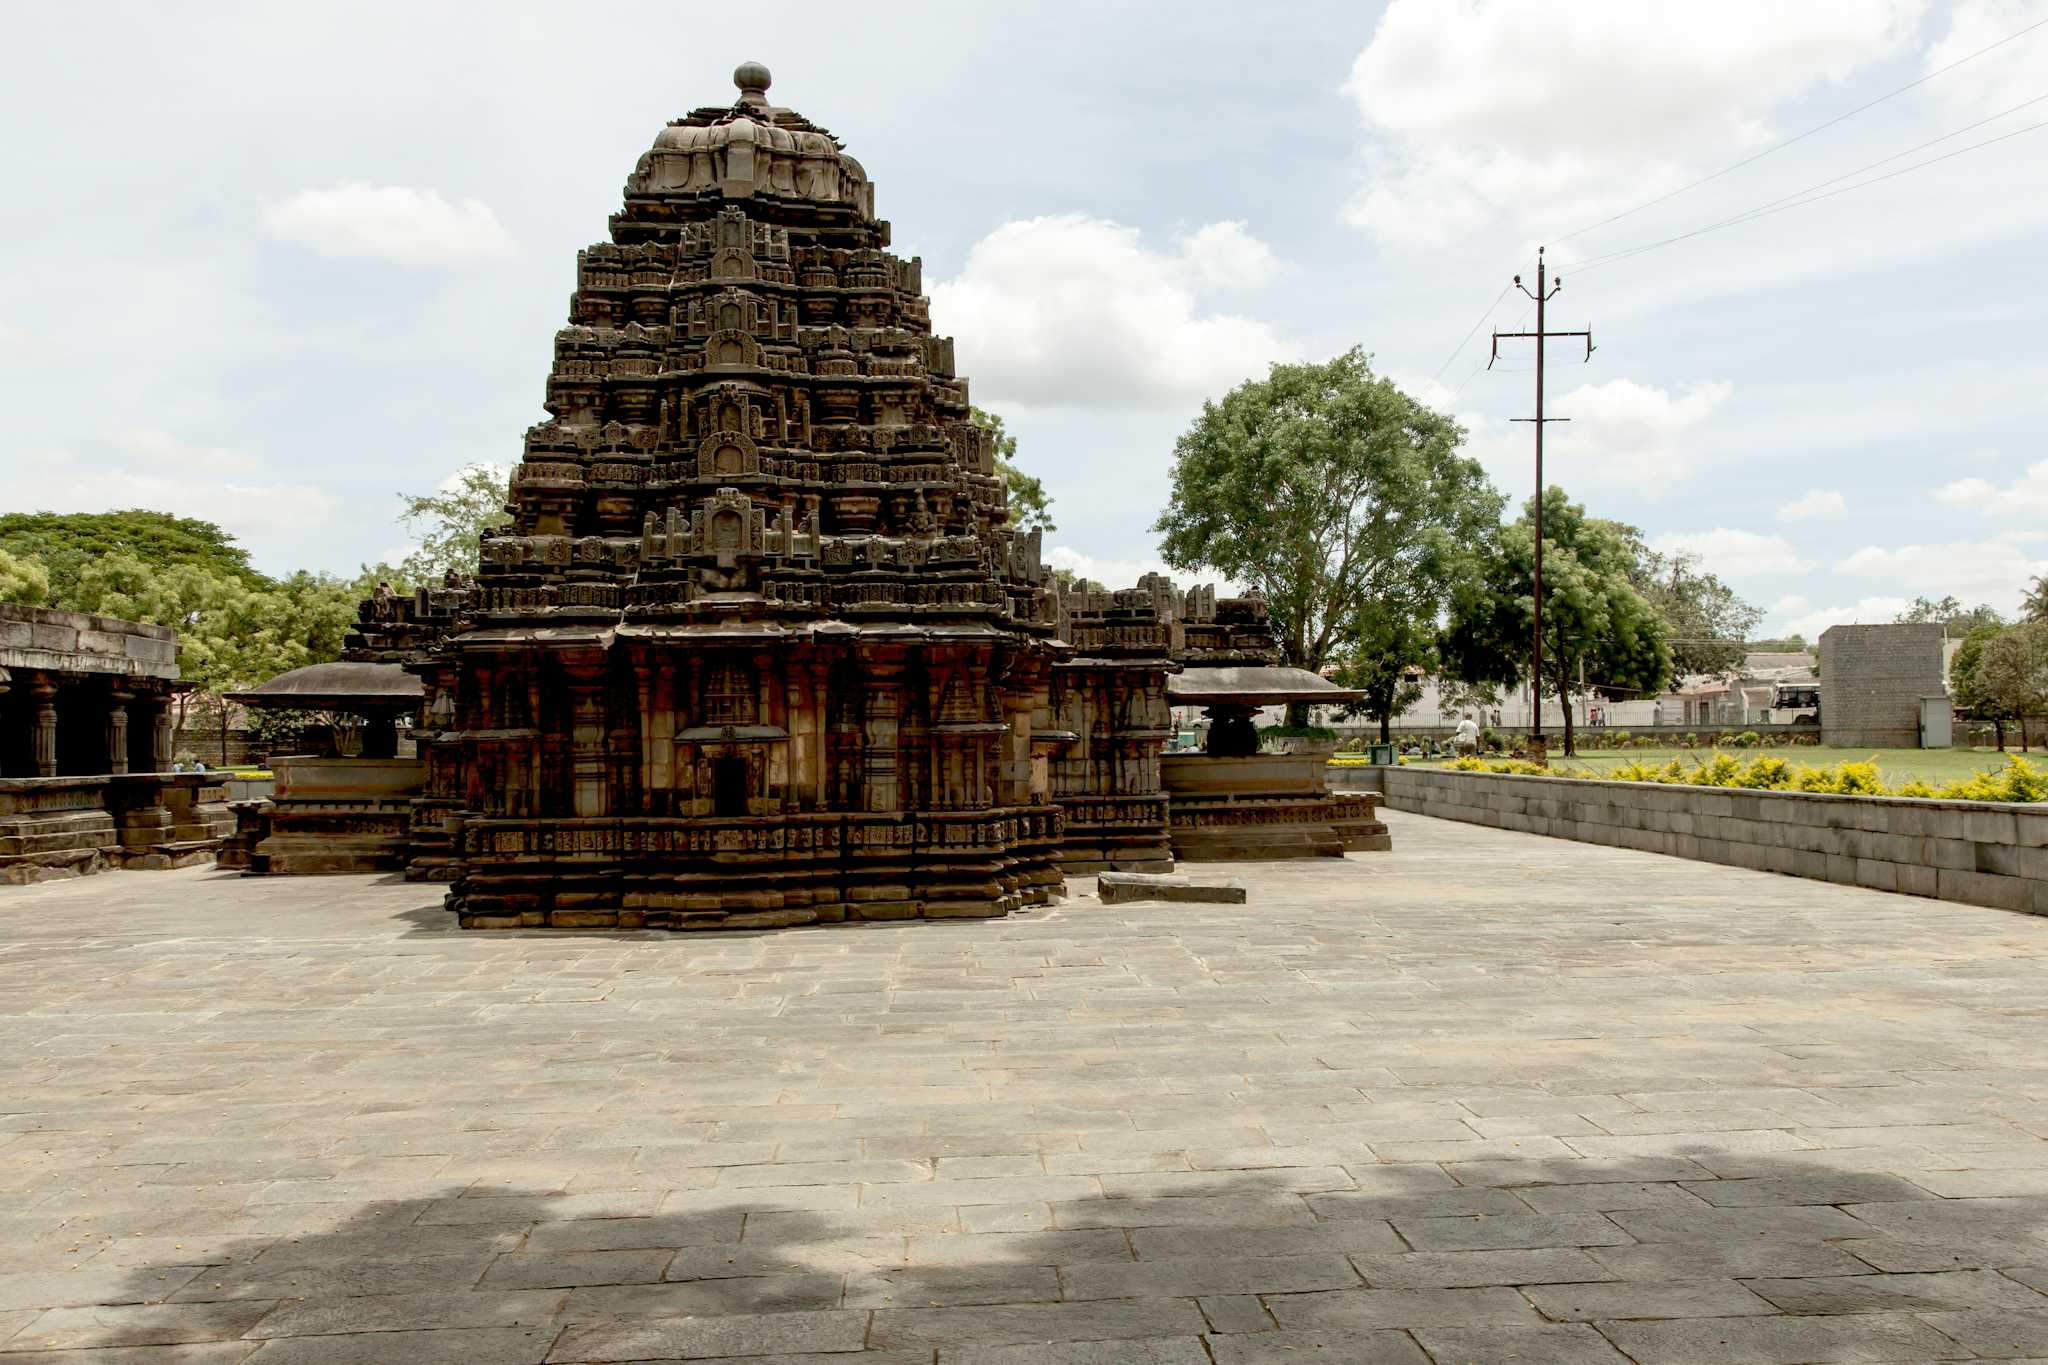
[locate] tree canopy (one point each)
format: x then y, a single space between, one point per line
1597 629
1950 613
2010 675
1030 504
1705 623
1339 498
65 543
24 581
451 520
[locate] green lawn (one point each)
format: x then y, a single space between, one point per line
1896 765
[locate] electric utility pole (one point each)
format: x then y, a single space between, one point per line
1543 293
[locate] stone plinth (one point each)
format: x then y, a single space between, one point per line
333 814
1264 806
71 826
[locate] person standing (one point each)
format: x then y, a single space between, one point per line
1466 741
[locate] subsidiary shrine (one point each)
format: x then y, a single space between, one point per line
758 648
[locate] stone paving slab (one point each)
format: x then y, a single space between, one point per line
1488 1097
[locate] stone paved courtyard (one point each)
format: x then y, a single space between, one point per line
1489 1098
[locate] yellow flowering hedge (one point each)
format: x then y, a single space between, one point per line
2018 780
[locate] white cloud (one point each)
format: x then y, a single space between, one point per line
1077 311
1732 553
1540 112
388 223
168 452
1815 504
1226 256
1865 611
2026 497
1629 433
254 513
1995 570
1999 79
1786 606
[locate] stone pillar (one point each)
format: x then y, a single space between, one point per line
43 689
160 735
117 728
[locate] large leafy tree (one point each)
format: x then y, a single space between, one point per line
1705 622
1599 633
1338 497
1950 612
1030 504
2011 674
451 521
65 544
1967 684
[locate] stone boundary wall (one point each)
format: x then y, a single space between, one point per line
1974 852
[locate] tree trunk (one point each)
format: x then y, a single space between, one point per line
2022 718
1297 713
1386 727
1564 697
223 732
1998 730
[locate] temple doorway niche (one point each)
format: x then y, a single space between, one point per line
729 786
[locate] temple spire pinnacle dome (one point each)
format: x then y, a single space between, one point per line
753 80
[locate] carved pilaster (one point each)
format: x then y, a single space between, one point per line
117 728
42 689
160 734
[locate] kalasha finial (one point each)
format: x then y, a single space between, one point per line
753 80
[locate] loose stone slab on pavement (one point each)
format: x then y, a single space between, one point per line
1486 1097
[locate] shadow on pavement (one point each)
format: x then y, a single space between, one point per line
936 1248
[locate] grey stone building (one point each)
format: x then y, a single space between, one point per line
1873 681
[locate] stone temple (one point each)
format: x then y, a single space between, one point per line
758 647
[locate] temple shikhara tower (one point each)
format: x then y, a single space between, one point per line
757 648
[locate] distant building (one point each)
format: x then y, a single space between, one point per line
1876 682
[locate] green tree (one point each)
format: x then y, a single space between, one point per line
2035 608
2011 673
1783 644
1950 613
1030 504
1599 634
23 580
1705 623
66 543
450 521
1382 656
1966 682
1338 497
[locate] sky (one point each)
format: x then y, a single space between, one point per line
274 264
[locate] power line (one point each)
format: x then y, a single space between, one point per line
1800 200
1481 322
1800 137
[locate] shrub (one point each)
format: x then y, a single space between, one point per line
1296 732
1691 740
1622 738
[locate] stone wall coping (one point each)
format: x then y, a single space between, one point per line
82 780
79 620
1911 802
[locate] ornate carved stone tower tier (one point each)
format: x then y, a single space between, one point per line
757 648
